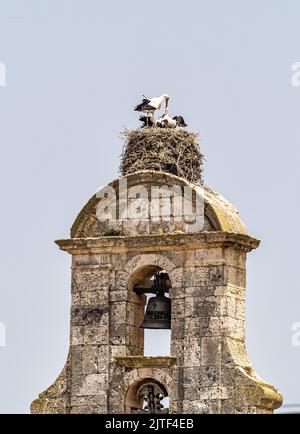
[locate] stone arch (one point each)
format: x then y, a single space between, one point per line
135 378
145 265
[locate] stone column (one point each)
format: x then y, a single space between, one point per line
89 341
217 375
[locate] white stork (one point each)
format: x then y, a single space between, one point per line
164 121
151 105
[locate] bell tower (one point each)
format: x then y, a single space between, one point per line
158 231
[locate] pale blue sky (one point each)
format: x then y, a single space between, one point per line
75 70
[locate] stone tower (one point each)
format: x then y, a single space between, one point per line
208 370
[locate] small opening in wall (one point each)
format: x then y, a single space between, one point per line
147 396
165 402
157 336
157 342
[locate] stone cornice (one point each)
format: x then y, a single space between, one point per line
158 243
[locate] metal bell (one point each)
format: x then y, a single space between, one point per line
158 310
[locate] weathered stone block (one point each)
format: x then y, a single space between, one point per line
134 336
192 352
118 262
177 350
76 359
240 309
235 258
82 316
121 281
76 299
116 409
188 307
117 351
178 309
90 359
200 291
209 376
88 400
89 409
118 334
95 298
118 295
210 351
178 331
196 276
90 279
196 327
196 406
77 335
94 335
176 277
118 311
92 385
216 275
236 276
203 308
218 392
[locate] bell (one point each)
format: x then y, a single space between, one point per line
158 313
158 310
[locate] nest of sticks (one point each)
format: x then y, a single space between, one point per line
174 151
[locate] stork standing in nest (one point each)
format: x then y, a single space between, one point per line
151 105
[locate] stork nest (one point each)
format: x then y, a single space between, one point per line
168 150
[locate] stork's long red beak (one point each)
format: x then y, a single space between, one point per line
167 103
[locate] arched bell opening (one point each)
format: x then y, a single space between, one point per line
147 396
151 285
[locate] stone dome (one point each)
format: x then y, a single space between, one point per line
218 213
